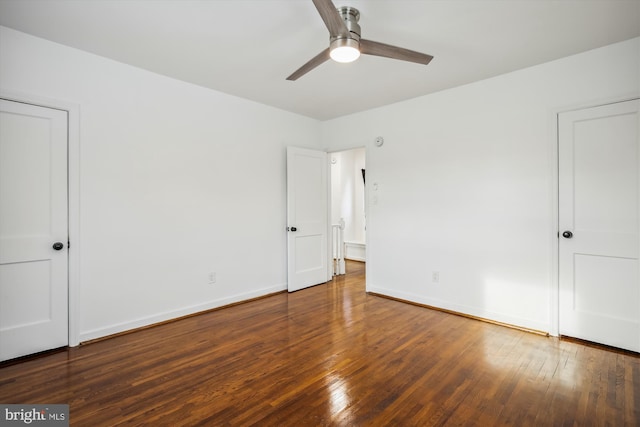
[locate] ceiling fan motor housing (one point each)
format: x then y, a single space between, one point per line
350 15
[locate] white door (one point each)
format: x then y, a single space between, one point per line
598 218
33 218
307 218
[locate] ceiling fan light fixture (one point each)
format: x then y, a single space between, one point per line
345 50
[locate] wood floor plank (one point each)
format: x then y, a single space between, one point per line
332 355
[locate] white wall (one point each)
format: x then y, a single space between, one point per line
176 181
347 193
467 185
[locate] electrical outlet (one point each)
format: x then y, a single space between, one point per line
212 277
435 277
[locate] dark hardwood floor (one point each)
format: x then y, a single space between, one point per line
332 355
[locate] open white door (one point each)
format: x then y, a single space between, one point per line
33 229
307 218
599 196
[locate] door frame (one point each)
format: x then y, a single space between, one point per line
367 210
365 192
554 295
73 191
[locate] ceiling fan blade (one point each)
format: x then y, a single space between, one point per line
313 63
369 47
331 18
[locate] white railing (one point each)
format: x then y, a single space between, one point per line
337 241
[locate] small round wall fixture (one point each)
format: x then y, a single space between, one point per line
379 141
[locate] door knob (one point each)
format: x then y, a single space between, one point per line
292 229
567 234
58 246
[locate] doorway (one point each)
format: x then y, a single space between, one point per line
314 178
348 206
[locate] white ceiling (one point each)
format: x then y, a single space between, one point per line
248 47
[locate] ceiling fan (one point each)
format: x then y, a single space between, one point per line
346 44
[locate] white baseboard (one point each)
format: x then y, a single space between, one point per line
463 309
174 314
355 251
